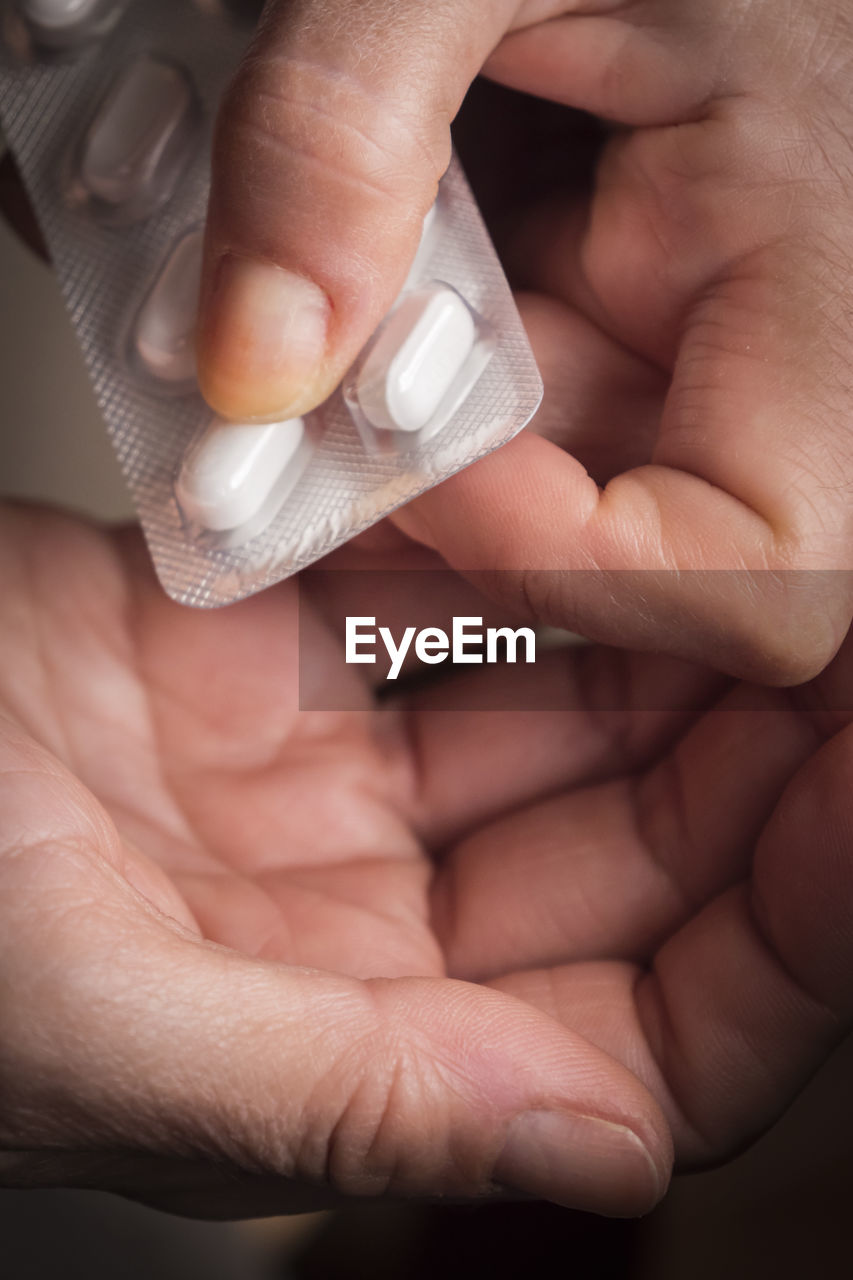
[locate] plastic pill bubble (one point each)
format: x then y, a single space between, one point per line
59 24
416 270
164 333
422 364
59 13
236 474
140 140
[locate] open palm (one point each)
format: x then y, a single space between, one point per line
227 923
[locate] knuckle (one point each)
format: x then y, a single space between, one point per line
369 1142
799 629
332 119
382 1116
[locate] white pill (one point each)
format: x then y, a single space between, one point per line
421 351
164 336
231 471
58 14
138 141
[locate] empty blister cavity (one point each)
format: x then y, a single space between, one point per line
420 367
61 24
139 141
236 475
163 339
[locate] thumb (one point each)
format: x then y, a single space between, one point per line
183 1058
328 150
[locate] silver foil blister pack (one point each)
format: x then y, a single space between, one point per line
108 108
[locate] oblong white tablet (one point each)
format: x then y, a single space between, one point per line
233 468
421 351
138 141
164 334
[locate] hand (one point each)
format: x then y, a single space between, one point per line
691 313
222 992
225 946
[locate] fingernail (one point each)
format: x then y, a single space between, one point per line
579 1161
262 339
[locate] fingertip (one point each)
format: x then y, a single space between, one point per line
412 522
581 1162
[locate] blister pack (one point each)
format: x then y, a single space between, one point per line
107 105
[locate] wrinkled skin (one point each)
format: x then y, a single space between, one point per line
690 309
254 958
